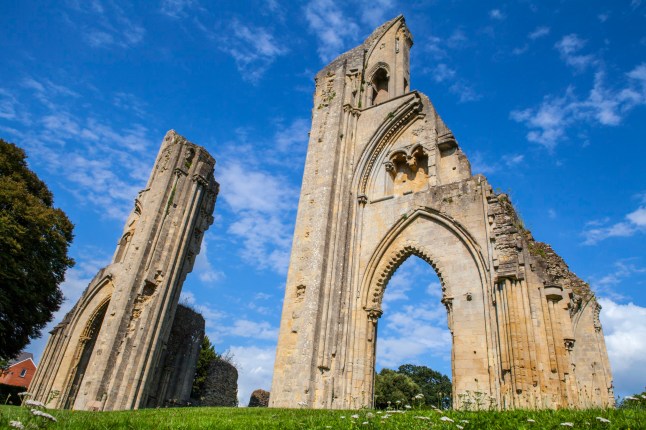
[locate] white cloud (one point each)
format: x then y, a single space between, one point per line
255 369
513 159
376 12
413 334
442 72
333 29
548 123
496 14
263 204
203 267
569 47
624 327
634 222
465 92
254 48
107 25
539 32
177 8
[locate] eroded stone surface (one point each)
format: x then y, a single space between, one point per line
259 399
110 351
385 179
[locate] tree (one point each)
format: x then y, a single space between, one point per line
435 386
34 239
394 389
204 360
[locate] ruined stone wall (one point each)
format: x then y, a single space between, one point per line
220 386
385 179
176 369
105 353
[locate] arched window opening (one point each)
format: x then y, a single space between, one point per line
413 351
84 352
380 87
124 243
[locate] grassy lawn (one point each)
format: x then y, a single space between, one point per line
263 418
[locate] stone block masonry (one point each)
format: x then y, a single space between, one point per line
111 351
385 179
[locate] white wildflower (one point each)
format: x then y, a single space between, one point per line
385 416
364 423
529 420
459 426
354 417
407 406
43 414
370 415
567 424
379 412
342 417
630 398
35 403
464 421
446 419
643 396
419 396
423 418
16 424
603 420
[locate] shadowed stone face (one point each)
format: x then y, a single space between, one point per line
114 349
385 179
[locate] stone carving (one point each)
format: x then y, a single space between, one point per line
124 344
385 179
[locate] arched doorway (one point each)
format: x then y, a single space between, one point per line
413 335
84 352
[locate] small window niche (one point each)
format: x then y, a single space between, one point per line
380 86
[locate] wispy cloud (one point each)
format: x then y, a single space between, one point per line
496 14
332 28
548 123
101 163
633 223
255 368
442 72
625 335
106 24
569 47
539 32
177 8
254 48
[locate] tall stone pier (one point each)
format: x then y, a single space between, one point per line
385 179
110 350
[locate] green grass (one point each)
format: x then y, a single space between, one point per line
263 418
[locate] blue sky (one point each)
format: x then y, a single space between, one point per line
547 98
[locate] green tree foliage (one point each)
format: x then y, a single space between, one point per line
207 355
636 401
34 239
394 389
435 386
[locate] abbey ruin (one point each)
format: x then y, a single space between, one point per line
126 344
385 179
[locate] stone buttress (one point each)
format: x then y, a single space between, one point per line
109 352
385 179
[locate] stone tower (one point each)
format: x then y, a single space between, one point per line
386 179
110 351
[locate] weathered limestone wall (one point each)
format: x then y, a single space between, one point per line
385 179
105 352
